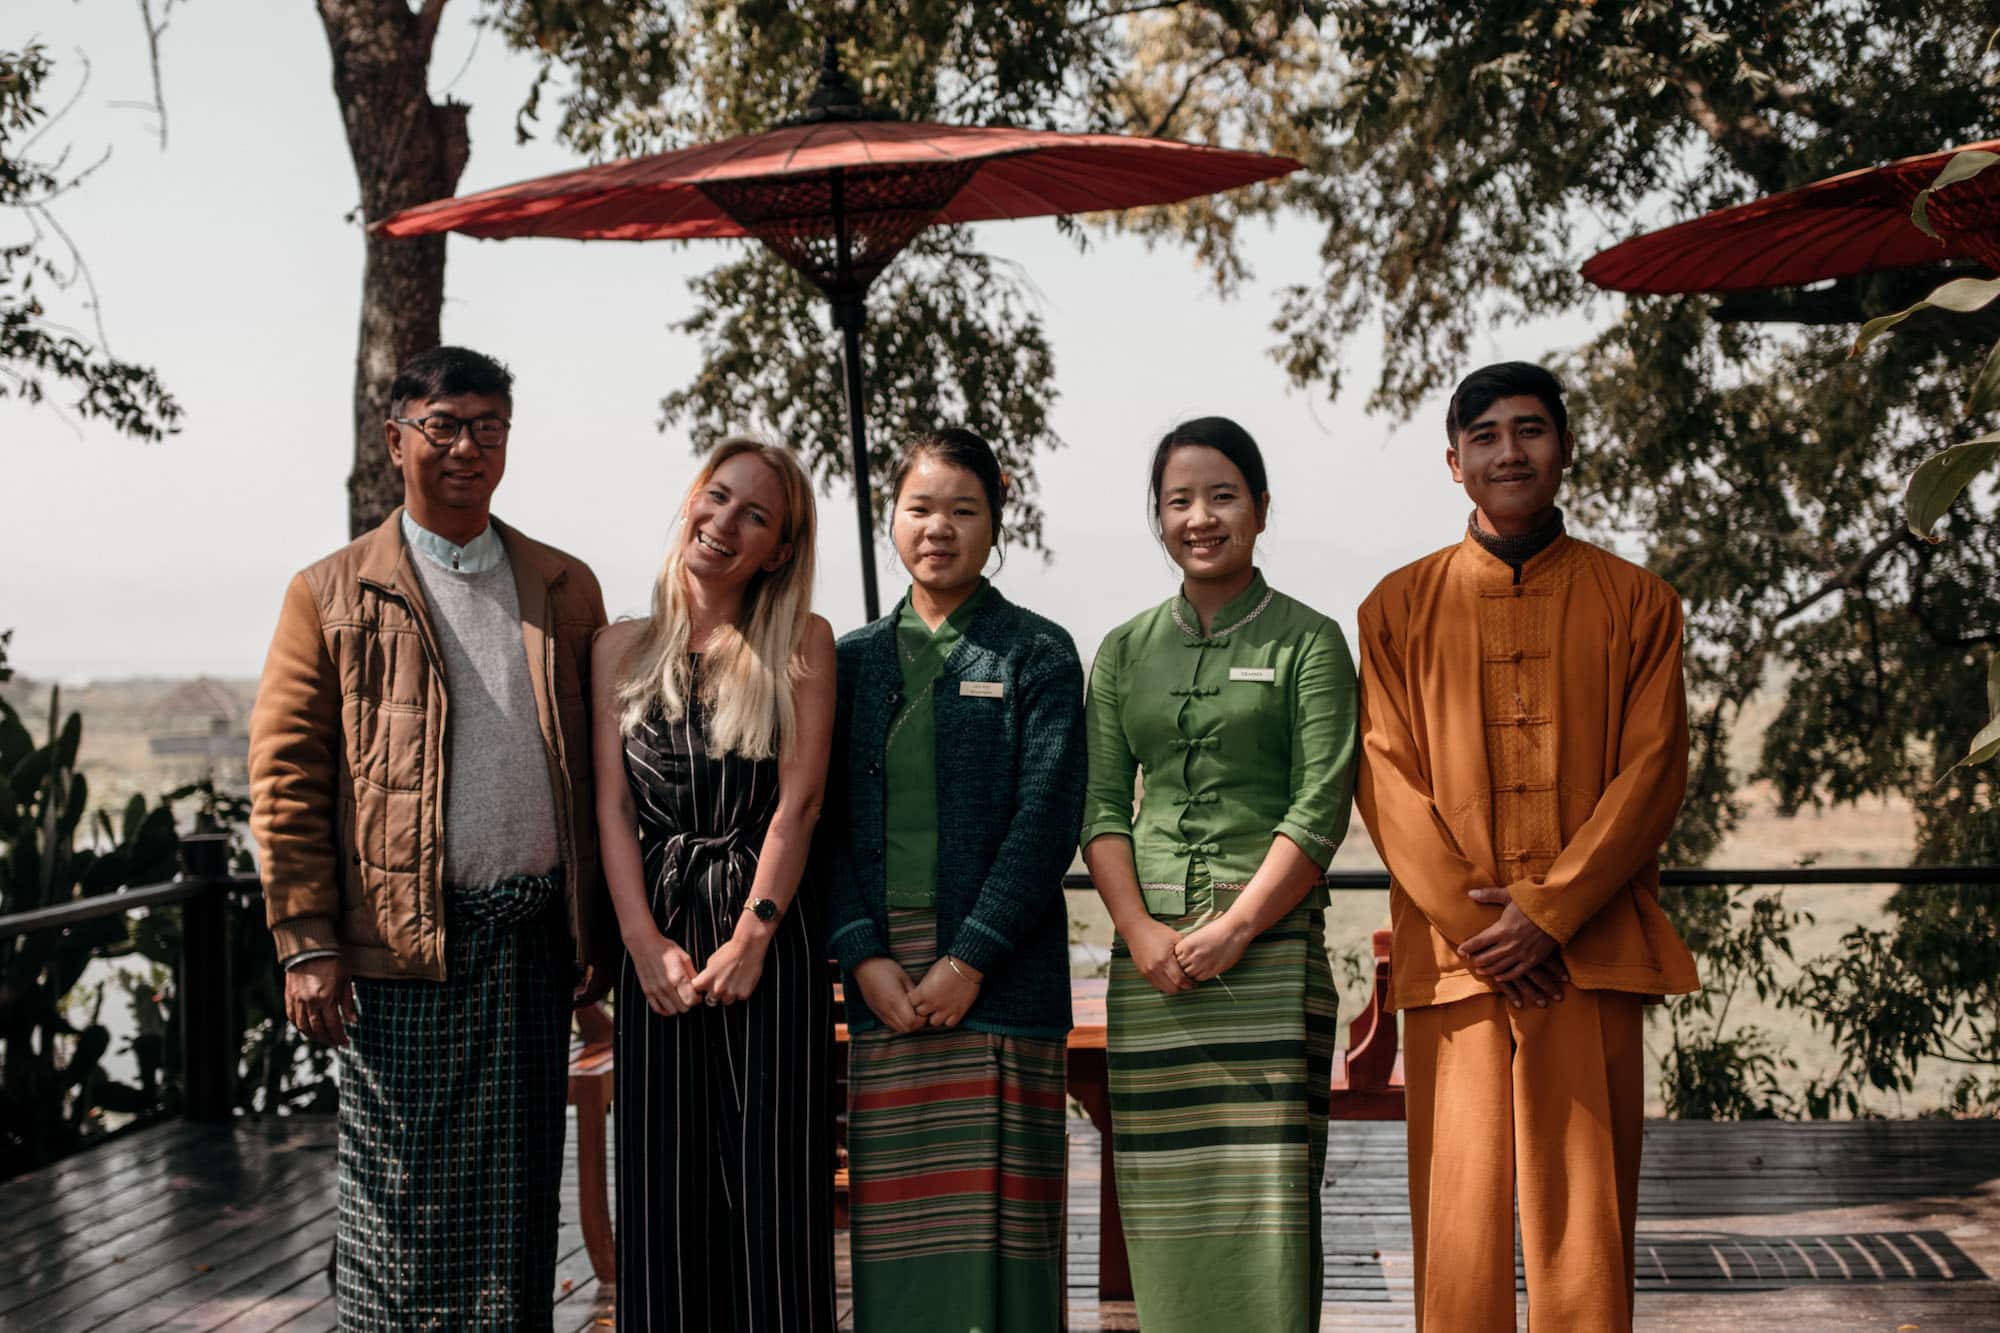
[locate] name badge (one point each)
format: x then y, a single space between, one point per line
981 689
1268 675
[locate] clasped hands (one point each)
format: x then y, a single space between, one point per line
1174 962
940 1000
672 985
1515 954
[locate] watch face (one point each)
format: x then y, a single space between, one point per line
764 908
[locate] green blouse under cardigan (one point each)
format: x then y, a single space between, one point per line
910 814
1243 733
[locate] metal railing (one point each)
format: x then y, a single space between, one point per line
206 986
1362 880
204 983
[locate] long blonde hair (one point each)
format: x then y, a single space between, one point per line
750 667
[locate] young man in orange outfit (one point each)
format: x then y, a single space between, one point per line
1524 754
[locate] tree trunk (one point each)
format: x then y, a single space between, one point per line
406 150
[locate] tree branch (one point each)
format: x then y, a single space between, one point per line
1854 575
427 27
1921 611
1753 145
1166 117
1107 15
153 33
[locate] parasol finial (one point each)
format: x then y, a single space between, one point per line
836 96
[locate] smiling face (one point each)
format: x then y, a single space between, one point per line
449 490
1209 521
943 527
1510 459
735 523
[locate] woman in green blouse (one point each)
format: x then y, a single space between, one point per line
1236 704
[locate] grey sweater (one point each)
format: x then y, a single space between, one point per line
499 811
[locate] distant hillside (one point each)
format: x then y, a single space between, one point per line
202 720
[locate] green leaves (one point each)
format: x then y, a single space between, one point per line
1940 480
37 352
1986 388
1985 745
52 1084
951 336
1960 296
1962 167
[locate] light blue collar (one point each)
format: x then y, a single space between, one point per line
482 553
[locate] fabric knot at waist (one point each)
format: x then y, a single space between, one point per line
505 903
684 859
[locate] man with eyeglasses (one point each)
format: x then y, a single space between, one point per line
420 770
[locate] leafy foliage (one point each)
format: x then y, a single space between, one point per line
1939 481
53 1088
36 353
1713 1070
278 1068
55 1092
949 339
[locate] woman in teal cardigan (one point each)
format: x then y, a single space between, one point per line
958 777
1237 704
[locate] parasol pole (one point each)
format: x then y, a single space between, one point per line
847 316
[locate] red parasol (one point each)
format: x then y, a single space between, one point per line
838 195
1858 222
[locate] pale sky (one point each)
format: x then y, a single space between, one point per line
226 263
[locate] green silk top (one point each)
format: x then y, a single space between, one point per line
1243 733
910 810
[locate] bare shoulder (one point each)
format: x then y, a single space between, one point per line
612 642
816 646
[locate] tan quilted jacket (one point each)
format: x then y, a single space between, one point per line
347 753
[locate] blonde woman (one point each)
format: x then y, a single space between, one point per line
713 719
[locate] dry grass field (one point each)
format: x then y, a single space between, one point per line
120 717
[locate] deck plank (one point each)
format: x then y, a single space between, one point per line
1780 1225
178 1258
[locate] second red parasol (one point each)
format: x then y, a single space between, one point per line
1858 222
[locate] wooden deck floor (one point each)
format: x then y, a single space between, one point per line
1888 1225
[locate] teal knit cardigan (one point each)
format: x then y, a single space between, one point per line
1011 775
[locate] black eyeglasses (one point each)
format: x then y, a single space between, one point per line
443 430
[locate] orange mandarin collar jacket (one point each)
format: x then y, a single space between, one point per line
1611 632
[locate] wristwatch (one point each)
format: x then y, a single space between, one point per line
764 909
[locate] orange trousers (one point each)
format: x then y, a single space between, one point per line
1543 1107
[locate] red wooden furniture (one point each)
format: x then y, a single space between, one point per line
590 1069
1368 1075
